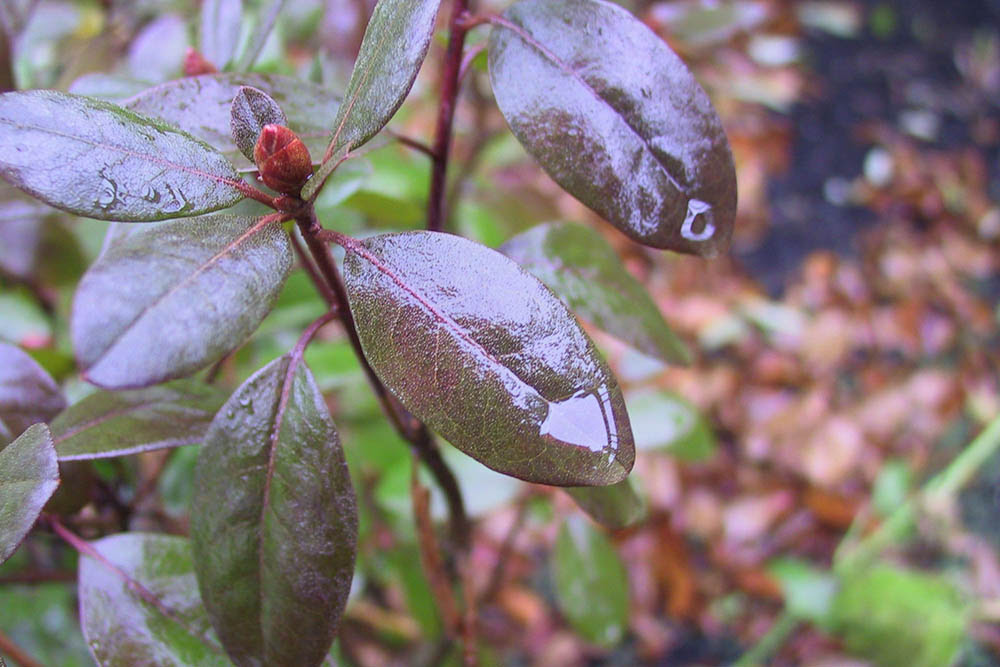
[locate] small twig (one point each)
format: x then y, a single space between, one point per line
410 142
16 653
467 60
430 556
38 577
504 554
470 653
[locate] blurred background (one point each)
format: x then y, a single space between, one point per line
845 352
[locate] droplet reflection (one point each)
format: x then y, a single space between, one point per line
696 208
583 420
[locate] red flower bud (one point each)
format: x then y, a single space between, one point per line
195 64
282 159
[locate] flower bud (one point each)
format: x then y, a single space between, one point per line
282 159
195 64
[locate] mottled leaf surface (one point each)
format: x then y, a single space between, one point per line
167 300
121 628
614 116
219 30
252 109
202 106
392 51
615 506
586 273
274 520
28 394
489 358
96 159
118 423
29 476
591 586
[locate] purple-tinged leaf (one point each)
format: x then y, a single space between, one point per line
201 105
586 273
489 358
29 476
96 159
119 423
274 520
252 109
591 586
392 51
28 394
167 300
616 506
614 116
219 30
120 623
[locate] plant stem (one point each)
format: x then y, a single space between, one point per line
409 427
16 653
446 115
761 652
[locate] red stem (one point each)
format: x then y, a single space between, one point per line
446 115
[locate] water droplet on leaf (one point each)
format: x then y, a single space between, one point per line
583 420
698 209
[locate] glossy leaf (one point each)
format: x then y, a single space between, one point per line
118 423
28 394
586 273
219 30
96 159
614 116
274 521
252 109
489 358
616 506
29 476
202 106
123 629
167 300
591 586
392 51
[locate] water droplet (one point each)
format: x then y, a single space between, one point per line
230 414
109 194
696 208
584 419
246 403
150 194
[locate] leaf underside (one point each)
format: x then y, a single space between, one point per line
164 301
274 521
614 116
28 394
29 475
488 358
96 159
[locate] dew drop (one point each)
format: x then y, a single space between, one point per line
584 419
109 194
696 208
230 414
150 194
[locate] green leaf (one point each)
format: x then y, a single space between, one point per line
898 617
219 30
489 358
95 159
107 424
266 19
614 117
201 105
392 51
123 629
252 109
591 586
28 394
274 521
29 476
586 273
616 506
808 591
665 421
167 300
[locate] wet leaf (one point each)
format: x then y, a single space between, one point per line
614 116
29 476
219 30
123 629
489 358
274 521
616 506
167 300
118 423
392 51
586 273
96 159
202 106
591 586
252 109
892 616
28 394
